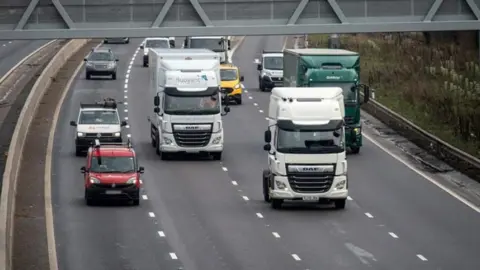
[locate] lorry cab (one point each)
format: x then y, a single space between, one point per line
219 44
112 172
305 142
155 42
231 82
270 68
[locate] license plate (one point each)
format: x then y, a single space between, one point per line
191 151
310 198
113 192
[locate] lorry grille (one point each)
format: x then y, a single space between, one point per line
277 79
349 120
192 138
310 182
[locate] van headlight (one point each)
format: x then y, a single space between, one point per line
117 134
237 86
80 134
94 180
132 180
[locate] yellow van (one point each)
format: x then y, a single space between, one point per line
232 82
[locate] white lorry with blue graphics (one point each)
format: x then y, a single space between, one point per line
187 112
305 141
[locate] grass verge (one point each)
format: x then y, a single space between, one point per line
435 86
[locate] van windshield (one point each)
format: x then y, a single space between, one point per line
112 165
107 117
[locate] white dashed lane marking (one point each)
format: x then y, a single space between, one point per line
245 198
225 169
255 104
129 135
151 214
260 111
421 257
250 97
295 256
173 256
234 183
126 110
144 197
368 215
161 234
259 215
276 234
126 85
393 235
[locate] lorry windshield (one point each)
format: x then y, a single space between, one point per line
212 44
349 96
157 43
191 105
228 75
98 118
112 165
273 62
309 141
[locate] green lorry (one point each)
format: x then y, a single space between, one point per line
330 68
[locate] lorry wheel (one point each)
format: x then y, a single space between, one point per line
266 195
78 151
114 76
355 150
164 156
239 100
88 201
154 142
276 203
262 87
216 155
340 204
136 202
88 76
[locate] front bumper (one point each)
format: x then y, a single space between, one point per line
86 142
169 145
119 192
269 82
288 194
107 71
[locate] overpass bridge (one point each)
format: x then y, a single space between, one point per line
49 19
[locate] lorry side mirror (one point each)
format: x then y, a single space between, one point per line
229 45
73 124
83 169
142 47
242 78
353 88
259 67
227 109
124 123
141 169
156 110
267 147
85 59
267 136
156 101
366 94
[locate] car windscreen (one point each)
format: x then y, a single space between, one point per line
104 164
157 43
101 56
99 118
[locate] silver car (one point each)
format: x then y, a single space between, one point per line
101 62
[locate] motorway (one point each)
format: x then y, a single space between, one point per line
12 52
202 214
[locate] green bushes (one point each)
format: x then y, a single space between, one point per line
434 86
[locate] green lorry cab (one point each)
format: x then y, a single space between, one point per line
330 68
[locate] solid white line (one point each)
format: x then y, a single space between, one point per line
421 257
393 235
349 198
368 215
260 111
433 181
235 183
245 198
259 215
145 197
161 233
295 256
151 214
225 169
173 255
276 234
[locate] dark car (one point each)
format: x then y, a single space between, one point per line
101 62
121 40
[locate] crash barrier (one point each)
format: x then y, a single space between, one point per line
451 155
15 152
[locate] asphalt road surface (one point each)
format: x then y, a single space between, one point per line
203 214
12 52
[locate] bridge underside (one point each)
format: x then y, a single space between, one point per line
48 19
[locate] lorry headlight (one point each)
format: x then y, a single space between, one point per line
357 130
341 184
132 180
217 140
80 134
117 134
280 185
94 180
167 140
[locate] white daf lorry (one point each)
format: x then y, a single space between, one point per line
305 141
187 112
